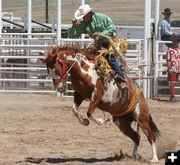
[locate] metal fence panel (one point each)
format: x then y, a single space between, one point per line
21 71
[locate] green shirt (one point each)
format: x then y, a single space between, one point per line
99 23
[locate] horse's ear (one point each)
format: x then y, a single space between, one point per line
41 53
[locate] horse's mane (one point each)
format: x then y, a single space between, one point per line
89 52
74 48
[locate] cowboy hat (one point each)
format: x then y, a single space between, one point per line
82 11
167 11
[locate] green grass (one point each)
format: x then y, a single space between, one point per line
123 12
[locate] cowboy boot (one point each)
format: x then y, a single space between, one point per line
122 85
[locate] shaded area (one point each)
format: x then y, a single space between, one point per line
166 100
64 160
116 157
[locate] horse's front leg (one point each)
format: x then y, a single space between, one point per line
78 99
95 99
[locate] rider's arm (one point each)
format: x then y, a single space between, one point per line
76 29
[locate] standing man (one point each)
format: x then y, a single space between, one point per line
166 34
88 22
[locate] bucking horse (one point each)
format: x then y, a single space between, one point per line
102 94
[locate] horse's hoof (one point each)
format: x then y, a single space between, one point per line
154 160
85 122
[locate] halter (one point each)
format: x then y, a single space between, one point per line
65 69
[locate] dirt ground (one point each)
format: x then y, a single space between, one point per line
40 129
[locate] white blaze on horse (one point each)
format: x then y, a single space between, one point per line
106 96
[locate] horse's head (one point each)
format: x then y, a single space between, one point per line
68 59
53 69
57 64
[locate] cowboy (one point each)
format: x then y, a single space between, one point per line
166 34
88 22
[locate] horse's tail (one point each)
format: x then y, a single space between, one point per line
154 128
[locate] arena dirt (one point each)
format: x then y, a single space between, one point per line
40 129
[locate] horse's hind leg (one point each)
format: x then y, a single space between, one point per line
124 124
151 138
149 128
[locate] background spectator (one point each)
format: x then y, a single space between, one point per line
166 33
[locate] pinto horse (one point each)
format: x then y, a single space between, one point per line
106 96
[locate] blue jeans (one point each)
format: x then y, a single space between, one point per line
115 66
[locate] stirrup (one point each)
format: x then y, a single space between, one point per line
124 88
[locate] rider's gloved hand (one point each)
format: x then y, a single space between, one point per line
95 36
115 39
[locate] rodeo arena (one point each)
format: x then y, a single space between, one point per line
56 108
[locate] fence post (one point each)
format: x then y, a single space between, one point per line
0 29
156 56
58 25
147 37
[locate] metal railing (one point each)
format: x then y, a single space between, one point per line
21 71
